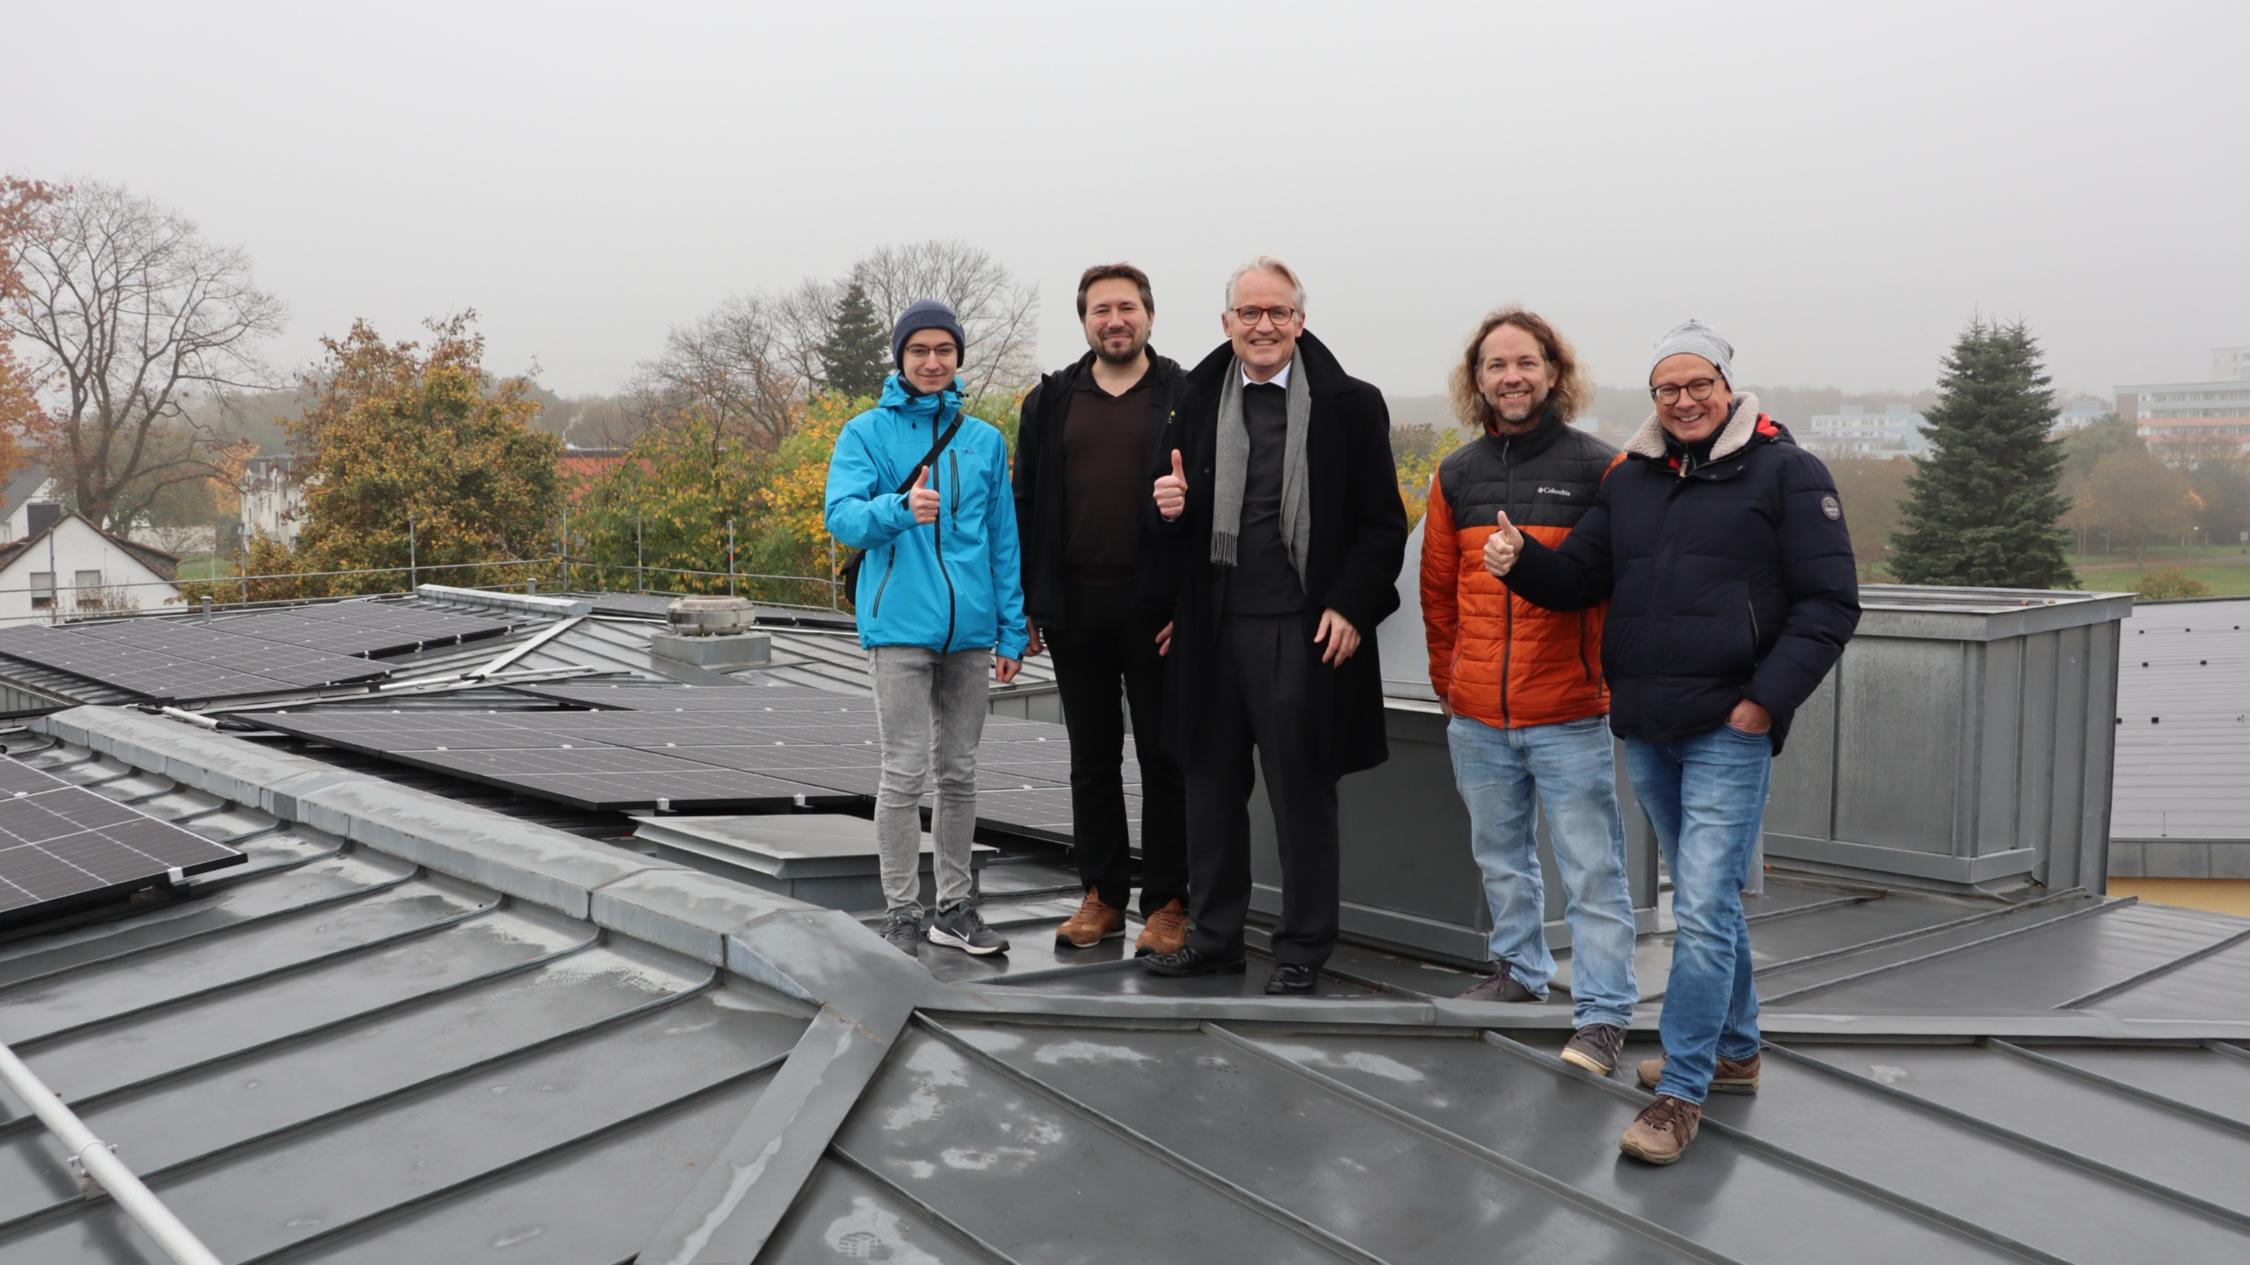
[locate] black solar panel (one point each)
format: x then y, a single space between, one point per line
168 659
698 756
359 628
706 698
62 843
571 767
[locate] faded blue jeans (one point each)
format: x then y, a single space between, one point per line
1706 796
1571 770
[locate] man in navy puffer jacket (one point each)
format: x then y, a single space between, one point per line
1721 546
940 604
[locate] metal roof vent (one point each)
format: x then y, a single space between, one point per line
710 616
712 632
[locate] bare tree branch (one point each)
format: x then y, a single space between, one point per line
132 313
999 316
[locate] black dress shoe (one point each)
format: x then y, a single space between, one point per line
1289 977
1191 961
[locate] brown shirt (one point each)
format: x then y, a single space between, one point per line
1105 480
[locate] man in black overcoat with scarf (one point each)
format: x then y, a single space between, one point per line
1279 477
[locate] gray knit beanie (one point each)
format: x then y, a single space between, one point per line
924 314
1692 337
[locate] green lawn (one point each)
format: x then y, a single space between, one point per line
2227 572
206 568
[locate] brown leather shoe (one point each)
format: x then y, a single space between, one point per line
1661 1133
1734 1076
1093 923
1164 932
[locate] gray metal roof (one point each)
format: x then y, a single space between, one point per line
2183 723
815 649
418 1030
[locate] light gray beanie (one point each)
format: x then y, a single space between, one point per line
1692 337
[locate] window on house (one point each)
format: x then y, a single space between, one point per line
42 590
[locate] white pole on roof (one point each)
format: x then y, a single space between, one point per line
99 1168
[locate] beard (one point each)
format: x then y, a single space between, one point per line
1132 352
1517 412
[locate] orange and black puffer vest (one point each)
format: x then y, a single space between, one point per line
1494 656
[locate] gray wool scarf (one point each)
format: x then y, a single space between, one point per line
1231 469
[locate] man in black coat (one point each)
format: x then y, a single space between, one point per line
1098 582
1722 548
1281 483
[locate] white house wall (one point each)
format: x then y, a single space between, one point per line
78 547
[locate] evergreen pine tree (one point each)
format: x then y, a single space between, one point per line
1983 508
857 355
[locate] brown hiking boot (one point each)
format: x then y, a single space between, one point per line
1164 932
1093 923
1661 1133
1733 1076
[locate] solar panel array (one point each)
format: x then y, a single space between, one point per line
697 748
264 653
60 842
360 628
173 660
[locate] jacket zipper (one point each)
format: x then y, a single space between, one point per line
1507 597
938 528
1583 661
890 568
1753 607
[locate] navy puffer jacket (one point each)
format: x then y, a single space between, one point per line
1728 579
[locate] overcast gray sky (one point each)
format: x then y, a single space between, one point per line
1837 188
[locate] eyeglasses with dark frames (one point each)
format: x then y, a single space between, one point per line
1698 390
1250 316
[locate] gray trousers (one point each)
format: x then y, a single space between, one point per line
930 710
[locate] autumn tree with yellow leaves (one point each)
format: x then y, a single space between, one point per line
412 437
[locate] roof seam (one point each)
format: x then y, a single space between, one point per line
921 1207
388 1009
2022 1141
1510 1166
2158 971
2127 1089
1815 1168
2101 907
1284 1217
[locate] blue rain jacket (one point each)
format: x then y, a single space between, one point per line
954 584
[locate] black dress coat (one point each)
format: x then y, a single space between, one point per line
1358 542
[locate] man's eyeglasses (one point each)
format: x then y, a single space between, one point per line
1698 390
1250 316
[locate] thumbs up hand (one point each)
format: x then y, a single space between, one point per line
1502 548
923 499
1171 490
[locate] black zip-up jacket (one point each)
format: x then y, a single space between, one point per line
1039 491
1728 579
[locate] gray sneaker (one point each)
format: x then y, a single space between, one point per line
902 929
958 926
1501 985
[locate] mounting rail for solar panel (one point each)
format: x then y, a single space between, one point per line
98 1167
523 603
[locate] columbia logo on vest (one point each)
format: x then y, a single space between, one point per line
1544 490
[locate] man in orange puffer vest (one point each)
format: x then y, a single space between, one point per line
1522 686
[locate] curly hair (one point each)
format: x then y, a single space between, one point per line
1569 393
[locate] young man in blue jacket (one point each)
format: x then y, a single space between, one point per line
940 604
1722 548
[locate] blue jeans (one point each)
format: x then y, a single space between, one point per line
1706 796
1570 768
